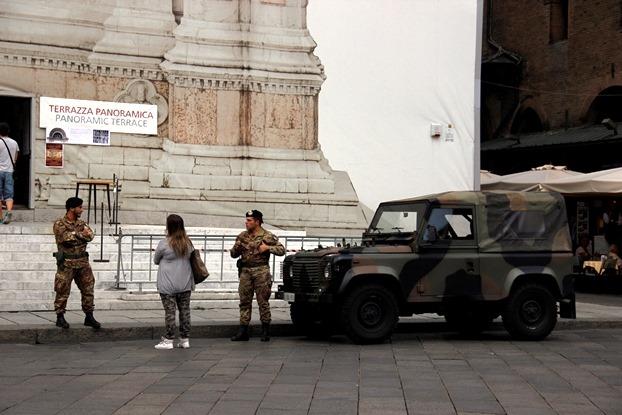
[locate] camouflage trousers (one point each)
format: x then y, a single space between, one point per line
258 281
180 301
62 286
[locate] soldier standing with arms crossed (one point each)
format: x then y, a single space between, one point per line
72 260
254 247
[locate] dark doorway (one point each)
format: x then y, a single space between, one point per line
15 111
527 122
608 104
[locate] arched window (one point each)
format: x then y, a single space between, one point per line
527 121
558 23
608 104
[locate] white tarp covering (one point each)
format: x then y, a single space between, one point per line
604 182
394 69
532 179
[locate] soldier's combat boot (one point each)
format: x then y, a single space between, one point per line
61 322
89 320
242 335
265 332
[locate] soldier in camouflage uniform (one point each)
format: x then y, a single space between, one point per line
72 260
254 247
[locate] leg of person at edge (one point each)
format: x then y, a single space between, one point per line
9 152
72 235
253 248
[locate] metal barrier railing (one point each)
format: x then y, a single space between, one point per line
135 267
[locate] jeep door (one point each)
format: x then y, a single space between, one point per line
448 246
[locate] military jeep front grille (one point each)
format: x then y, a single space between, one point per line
306 274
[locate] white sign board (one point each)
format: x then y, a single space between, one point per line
76 121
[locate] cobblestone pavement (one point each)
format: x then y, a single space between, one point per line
572 372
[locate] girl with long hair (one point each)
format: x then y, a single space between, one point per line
175 281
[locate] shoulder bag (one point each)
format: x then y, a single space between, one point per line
199 270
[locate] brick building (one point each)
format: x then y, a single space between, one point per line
551 73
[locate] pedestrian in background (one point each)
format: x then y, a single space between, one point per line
72 261
254 247
175 281
583 251
9 151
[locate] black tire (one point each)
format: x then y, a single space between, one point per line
530 313
469 319
369 314
308 321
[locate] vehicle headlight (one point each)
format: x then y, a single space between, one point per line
327 271
287 271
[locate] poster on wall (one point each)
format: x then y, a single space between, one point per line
76 121
71 135
54 155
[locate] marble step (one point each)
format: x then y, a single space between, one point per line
125 301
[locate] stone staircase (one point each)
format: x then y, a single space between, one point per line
27 268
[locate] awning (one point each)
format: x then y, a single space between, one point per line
486 177
572 136
604 182
530 180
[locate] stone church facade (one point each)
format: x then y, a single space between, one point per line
236 84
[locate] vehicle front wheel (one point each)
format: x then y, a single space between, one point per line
530 313
369 314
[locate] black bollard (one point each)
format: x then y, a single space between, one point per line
101 238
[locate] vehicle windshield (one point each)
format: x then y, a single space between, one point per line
401 218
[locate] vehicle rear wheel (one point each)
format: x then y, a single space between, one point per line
530 313
369 314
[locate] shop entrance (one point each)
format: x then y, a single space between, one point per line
16 111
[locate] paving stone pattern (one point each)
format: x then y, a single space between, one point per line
573 372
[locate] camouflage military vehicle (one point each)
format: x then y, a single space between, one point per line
469 256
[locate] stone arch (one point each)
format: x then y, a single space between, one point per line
526 121
607 104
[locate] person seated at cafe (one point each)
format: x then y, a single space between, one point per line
584 248
613 260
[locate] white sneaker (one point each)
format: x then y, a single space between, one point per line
8 218
165 344
184 343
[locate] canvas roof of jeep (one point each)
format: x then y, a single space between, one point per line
511 221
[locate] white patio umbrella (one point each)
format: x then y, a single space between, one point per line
533 179
486 177
603 181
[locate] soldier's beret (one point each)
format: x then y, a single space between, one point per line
73 202
255 214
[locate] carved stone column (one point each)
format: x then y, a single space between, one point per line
262 36
244 84
248 57
137 31
35 24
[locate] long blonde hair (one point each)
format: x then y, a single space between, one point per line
176 235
